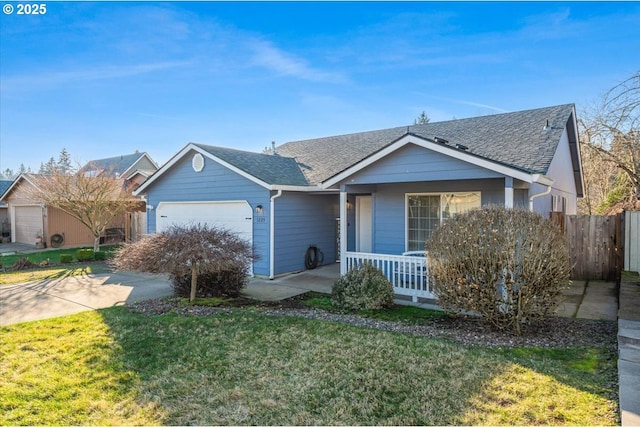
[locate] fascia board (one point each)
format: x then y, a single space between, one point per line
301 188
433 146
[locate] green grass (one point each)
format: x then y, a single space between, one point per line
50 273
397 313
631 277
51 255
54 269
118 367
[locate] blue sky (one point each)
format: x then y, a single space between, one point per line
108 78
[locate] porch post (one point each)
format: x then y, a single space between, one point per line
508 192
343 230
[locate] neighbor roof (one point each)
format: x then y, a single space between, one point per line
4 186
117 165
518 140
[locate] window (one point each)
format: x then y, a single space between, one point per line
425 212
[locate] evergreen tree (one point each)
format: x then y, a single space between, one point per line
48 168
7 174
64 162
422 119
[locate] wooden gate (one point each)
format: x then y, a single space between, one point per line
632 241
595 245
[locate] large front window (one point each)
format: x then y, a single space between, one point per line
425 212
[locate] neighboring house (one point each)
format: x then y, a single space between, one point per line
4 210
32 218
134 168
371 195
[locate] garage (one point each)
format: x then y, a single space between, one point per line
232 215
28 223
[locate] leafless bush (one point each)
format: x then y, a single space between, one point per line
507 265
186 251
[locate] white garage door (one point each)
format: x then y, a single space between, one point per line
232 215
28 223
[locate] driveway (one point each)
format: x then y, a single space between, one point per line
60 297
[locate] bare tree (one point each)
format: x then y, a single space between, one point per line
598 178
93 200
183 250
613 130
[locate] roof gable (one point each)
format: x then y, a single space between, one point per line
265 170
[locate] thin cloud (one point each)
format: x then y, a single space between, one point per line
61 78
265 54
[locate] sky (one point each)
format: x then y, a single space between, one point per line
103 79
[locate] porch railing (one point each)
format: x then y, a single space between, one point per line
409 275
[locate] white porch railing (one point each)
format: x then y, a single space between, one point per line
409 275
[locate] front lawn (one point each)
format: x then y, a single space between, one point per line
241 366
49 266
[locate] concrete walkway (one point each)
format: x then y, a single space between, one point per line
46 299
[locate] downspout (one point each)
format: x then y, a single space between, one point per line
535 196
272 234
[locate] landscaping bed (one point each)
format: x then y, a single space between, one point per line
554 332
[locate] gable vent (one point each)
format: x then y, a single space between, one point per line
197 163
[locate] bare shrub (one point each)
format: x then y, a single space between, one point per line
364 288
190 251
508 265
228 283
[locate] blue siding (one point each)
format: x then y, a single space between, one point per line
389 215
303 220
215 183
413 163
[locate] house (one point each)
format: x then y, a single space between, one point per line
4 212
371 195
31 219
134 168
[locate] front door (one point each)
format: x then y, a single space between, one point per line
364 224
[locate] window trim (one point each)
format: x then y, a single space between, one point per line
441 194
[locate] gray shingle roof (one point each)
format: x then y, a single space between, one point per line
114 165
517 140
4 185
275 170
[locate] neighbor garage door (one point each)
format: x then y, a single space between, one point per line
28 223
233 215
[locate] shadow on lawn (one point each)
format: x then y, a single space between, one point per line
239 366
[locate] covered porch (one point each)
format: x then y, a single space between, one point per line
388 224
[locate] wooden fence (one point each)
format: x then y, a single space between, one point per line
596 245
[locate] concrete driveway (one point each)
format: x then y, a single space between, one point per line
60 297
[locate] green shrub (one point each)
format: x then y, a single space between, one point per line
508 265
85 255
100 256
227 283
364 288
66 258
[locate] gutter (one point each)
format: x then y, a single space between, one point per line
535 196
272 234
